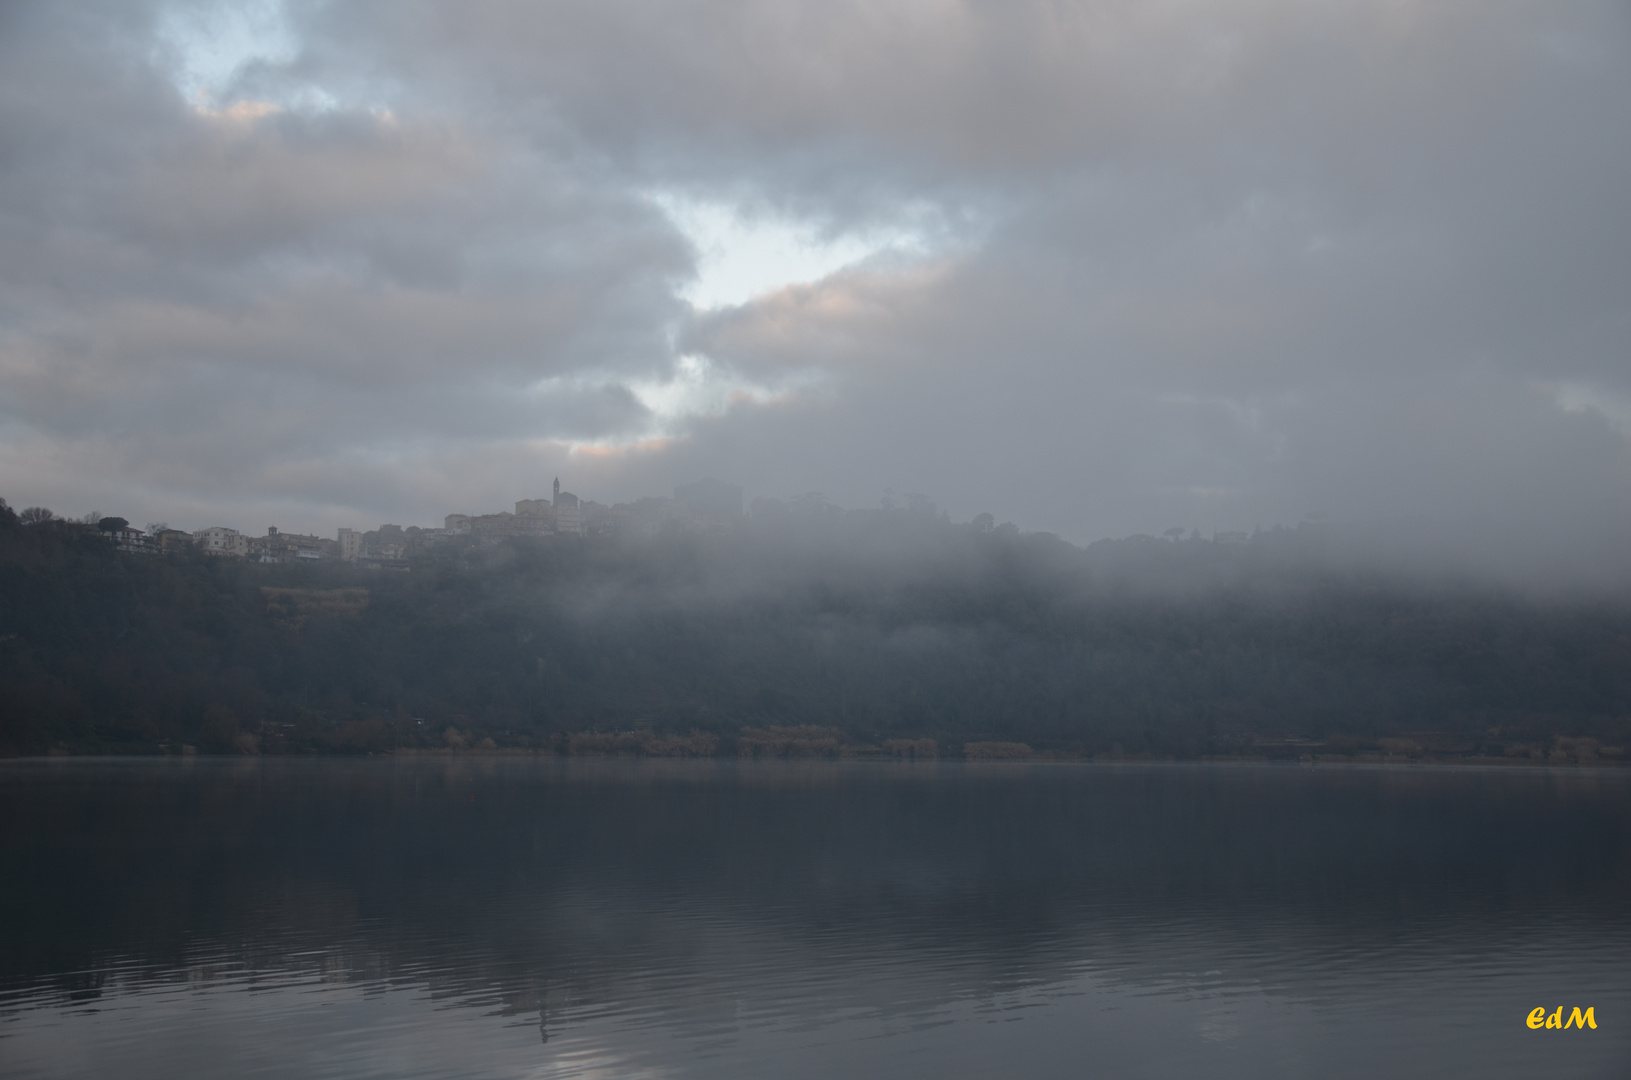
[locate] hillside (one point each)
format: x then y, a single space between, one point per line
829 632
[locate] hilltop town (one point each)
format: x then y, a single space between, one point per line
707 506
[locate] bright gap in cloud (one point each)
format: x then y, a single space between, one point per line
1582 397
741 256
698 387
212 43
695 388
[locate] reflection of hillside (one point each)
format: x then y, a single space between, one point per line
554 886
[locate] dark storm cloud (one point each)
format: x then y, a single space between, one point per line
1203 264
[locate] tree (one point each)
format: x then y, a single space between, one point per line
112 524
36 515
920 504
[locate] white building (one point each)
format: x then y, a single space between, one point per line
350 543
568 515
222 541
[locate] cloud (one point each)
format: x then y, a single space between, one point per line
1098 268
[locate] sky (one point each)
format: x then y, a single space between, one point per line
1096 268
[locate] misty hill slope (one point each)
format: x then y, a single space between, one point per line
879 624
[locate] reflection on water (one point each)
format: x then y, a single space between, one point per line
508 918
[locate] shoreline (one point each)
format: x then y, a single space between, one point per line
512 754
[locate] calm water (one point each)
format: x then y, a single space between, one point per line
505 918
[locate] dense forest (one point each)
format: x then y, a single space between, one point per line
809 630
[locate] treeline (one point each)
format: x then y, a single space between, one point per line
808 630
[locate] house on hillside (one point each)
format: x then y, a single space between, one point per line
219 540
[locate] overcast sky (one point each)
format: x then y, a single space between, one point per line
1096 268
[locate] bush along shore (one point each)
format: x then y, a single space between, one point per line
813 742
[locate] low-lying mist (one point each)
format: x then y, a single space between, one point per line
813 630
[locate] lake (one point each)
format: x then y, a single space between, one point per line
509 917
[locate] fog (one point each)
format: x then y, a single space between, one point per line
1097 269
807 630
